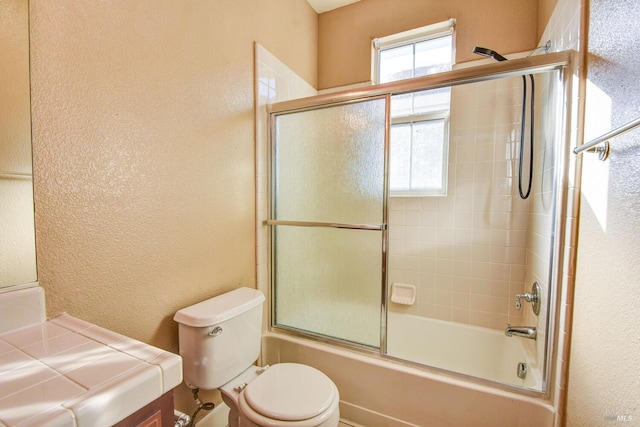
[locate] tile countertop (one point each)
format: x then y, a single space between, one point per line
66 372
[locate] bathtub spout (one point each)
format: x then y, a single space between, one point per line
521 331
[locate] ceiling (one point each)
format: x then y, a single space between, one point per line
321 6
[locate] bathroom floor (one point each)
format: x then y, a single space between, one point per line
343 424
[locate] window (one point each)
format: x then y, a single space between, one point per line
419 120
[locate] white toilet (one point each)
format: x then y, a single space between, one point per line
220 341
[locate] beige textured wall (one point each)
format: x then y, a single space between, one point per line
144 152
605 344
345 34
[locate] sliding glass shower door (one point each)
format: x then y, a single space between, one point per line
328 218
469 258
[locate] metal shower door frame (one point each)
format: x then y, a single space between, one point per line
383 227
559 61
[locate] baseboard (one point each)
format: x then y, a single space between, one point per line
219 416
365 417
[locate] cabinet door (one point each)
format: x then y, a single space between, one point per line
158 413
153 420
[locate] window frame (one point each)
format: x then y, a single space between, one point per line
443 115
412 37
417 35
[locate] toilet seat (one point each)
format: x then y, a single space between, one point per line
289 394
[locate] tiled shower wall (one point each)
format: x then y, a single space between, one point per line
466 252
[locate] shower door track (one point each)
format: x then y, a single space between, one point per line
492 71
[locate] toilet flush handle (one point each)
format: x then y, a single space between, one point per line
215 331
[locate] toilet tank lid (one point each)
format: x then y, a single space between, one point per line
220 308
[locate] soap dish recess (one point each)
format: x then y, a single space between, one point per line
403 294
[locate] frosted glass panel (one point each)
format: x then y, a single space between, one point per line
329 164
328 167
329 282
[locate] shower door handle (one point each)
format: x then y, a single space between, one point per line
377 227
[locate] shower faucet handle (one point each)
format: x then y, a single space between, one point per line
533 297
527 297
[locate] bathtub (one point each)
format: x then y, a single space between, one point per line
378 392
480 352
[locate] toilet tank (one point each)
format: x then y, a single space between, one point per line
220 337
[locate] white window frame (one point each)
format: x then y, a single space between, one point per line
417 118
430 32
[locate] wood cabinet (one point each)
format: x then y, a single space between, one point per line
158 413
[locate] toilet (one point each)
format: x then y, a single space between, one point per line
219 343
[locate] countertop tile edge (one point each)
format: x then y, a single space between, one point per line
171 367
115 400
55 417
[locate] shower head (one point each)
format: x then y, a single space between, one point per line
488 52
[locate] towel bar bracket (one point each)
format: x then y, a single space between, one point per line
601 150
600 145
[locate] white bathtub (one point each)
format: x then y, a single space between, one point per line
378 392
471 350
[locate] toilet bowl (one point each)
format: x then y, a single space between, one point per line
285 394
219 341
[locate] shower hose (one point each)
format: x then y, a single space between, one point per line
524 195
